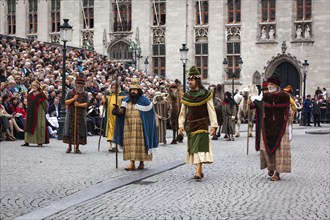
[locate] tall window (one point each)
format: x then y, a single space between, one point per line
233 55
268 9
55 15
159 11
33 16
201 58
88 14
234 11
202 12
159 51
11 16
304 10
122 13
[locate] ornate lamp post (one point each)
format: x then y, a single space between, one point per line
66 35
184 59
225 67
305 68
135 49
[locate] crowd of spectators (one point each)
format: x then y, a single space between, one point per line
23 61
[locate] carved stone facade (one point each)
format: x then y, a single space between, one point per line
260 42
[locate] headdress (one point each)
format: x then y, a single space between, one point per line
135 83
81 79
275 78
194 73
288 89
264 86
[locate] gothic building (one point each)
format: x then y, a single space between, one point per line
264 34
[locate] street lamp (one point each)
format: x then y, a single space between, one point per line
305 68
225 67
135 49
66 35
184 59
146 63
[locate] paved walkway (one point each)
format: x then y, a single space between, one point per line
233 188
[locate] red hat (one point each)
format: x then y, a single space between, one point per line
264 85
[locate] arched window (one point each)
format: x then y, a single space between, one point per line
119 51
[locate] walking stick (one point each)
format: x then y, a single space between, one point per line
75 128
247 149
101 127
116 123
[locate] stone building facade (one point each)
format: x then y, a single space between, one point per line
265 34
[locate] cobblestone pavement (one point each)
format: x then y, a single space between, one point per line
233 187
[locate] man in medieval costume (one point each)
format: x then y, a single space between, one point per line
36 131
197 112
110 99
229 110
162 110
137 131
275 152
75 127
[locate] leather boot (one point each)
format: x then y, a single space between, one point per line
131 166
198 174
76 149
141 165
68 150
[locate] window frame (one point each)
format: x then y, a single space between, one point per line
304 9
159 59
204 14
232 59
268 7
125 10
161 12
33 17
55 16
11 17
201 58
88 9
235 11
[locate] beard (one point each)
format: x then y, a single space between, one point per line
80 90
272 90
134 97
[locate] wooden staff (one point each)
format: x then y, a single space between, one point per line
75 129
101 127
247 149
116 122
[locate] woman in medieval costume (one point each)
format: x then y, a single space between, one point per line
36 131
197 112
75 128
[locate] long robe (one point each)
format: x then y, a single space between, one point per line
75 120
228 123
36 131
280 160
201 156
110 119
137 131
161 109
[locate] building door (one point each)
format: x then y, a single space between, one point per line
289 75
